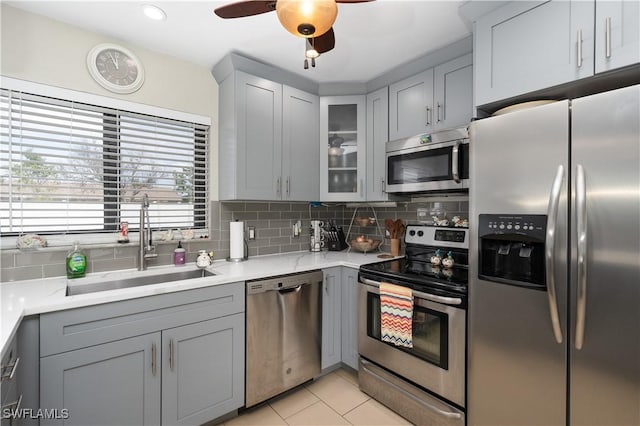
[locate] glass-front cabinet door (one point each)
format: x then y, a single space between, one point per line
342 148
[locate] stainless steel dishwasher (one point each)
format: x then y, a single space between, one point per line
284 333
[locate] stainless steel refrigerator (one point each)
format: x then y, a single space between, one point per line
554 282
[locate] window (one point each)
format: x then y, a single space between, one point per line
69 167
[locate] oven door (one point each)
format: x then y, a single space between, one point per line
437 360
439 167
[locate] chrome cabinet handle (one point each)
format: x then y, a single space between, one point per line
428 113
153 359
409 395
420 294
278 186
382 185
552 217
13 366
362 188
15 404
171 354
579 49
288 186
438 115
455 154
326 286
581 229
607 37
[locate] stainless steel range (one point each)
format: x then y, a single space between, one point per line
425 383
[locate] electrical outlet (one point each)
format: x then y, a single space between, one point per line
252 232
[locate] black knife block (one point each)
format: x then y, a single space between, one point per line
336 240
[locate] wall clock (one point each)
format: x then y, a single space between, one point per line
115 68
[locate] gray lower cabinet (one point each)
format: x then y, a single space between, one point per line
202 370
115 383
10 399
175 358
350 317
331 317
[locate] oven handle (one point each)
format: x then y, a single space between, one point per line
409 395
420 295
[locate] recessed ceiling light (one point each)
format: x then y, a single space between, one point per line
154 12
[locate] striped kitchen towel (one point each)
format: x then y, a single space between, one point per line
396 313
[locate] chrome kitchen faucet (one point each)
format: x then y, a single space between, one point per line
147 249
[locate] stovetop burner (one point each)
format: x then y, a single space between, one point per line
416 270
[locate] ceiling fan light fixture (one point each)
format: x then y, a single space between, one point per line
310 51
307 18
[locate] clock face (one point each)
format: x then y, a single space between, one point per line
115 68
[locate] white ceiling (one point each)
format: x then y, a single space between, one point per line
371 38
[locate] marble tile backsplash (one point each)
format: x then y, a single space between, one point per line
273 222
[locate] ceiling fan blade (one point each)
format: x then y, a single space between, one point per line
353 1
245 8
324 42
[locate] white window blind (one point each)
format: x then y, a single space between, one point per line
68 167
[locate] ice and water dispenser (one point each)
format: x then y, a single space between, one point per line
512 249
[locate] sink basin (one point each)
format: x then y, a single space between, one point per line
74 289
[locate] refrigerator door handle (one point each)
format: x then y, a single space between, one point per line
581 229
552 216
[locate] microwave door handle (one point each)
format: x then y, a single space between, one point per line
581 229
420 294
552 216
455 154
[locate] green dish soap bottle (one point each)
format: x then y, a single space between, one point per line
76 262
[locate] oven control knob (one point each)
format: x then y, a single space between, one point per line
420 233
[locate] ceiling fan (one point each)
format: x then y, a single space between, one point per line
310 19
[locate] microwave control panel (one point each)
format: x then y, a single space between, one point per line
532 226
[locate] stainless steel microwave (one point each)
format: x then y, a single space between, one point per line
429 162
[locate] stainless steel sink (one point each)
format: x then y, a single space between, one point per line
74 289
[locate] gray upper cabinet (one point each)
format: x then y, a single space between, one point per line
411 106
526 46
258 120
343 148
523 47
453 98
436 99
377 137
300 152
617 34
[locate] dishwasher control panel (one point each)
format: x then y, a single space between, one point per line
283 282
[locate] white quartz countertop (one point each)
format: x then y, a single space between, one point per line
31 297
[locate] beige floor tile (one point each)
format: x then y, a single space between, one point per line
260 416
373 413
338 393
348 374
317 414
294 402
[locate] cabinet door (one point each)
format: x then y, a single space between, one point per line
300 150
411 106
526 46
343 148
331 311
350 317
377 137
259 138
453 85
617 34
202 370
114 383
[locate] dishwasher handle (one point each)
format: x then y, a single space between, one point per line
290 289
